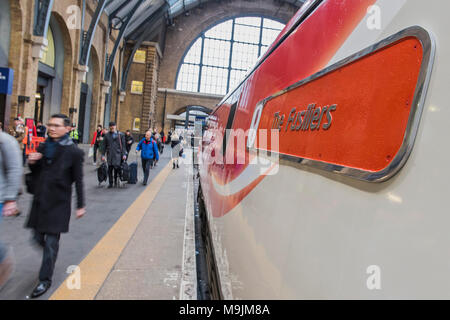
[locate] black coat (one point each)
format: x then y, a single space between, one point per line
51 208
127 140
114 148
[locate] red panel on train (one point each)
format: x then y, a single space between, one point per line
355 116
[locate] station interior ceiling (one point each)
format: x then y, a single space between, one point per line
141 18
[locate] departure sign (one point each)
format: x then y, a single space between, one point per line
358 117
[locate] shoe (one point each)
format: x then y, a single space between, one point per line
110 186
173 166
6 269
40 289
178 165
144 183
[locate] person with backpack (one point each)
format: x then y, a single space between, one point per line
115 152
149 153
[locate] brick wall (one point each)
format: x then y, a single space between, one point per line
26 66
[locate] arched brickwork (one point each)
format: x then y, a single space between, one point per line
187 28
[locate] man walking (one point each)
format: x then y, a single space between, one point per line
96 140
56 165
10 181
149 153
115 152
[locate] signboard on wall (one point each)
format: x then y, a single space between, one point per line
6 80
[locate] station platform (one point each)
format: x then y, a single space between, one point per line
135 242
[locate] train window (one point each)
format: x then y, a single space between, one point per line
228 127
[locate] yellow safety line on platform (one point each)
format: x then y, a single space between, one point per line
97 265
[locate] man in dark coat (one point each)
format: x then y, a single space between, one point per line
115 152
56 165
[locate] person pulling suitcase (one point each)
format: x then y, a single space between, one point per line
149 153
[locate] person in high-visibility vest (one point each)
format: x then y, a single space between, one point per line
74 133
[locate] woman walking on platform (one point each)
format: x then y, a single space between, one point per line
176 149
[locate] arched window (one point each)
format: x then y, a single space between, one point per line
219 58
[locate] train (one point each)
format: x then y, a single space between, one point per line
322 175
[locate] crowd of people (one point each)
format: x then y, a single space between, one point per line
114 148
57 164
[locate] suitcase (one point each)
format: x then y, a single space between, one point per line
102 173
133 173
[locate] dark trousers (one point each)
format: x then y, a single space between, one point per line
110 174
146 164
50 244
95 152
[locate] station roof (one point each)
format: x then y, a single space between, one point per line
147 14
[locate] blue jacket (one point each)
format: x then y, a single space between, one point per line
149 149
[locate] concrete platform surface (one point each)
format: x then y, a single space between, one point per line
136 236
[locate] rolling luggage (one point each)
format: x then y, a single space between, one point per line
133 173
